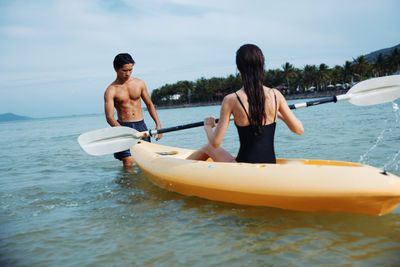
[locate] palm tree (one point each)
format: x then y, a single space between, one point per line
348 72
288 71
273 77
156 96
379 65
299 80
310 75
323 74
361 67
201 91
184 89
231 84
337 75
394 60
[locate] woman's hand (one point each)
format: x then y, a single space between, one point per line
209 122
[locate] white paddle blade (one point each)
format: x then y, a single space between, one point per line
108 140
375 91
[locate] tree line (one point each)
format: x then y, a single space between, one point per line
288 79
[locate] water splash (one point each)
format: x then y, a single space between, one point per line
393 162
395 107
364 157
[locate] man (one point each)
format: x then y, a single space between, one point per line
125 94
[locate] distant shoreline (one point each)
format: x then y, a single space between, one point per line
317 94
6 117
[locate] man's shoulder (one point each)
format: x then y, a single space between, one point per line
136 80
136 84
111 87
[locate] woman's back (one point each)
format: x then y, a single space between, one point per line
256 145
241 111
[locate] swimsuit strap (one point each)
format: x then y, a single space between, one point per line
240 101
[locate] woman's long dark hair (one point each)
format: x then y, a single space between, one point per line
250 62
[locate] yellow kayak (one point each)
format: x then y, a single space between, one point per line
295 184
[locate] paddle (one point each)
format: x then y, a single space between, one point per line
366 93
114 139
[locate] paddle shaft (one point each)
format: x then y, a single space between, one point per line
320 101
177 128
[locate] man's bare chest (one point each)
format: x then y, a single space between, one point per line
125 94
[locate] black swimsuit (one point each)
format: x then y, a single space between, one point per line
256 148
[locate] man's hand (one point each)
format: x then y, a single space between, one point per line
158 136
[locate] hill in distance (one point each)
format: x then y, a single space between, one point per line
13 117
371 57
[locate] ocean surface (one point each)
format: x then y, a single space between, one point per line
62 207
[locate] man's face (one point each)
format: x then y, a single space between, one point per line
125 71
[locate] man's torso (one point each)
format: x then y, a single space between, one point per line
127 100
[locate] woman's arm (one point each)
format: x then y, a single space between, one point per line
215 137
287 116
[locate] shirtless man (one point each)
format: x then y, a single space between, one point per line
125 94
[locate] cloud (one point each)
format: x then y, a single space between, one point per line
48 43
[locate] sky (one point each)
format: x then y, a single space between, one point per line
56 56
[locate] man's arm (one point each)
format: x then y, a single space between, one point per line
150 107
109 108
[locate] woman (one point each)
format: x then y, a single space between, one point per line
255 109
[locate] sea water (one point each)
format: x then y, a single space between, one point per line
62 207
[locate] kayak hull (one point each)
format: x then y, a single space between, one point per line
295 184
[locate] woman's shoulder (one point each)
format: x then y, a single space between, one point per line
229 100
230 97
277 93
274 90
